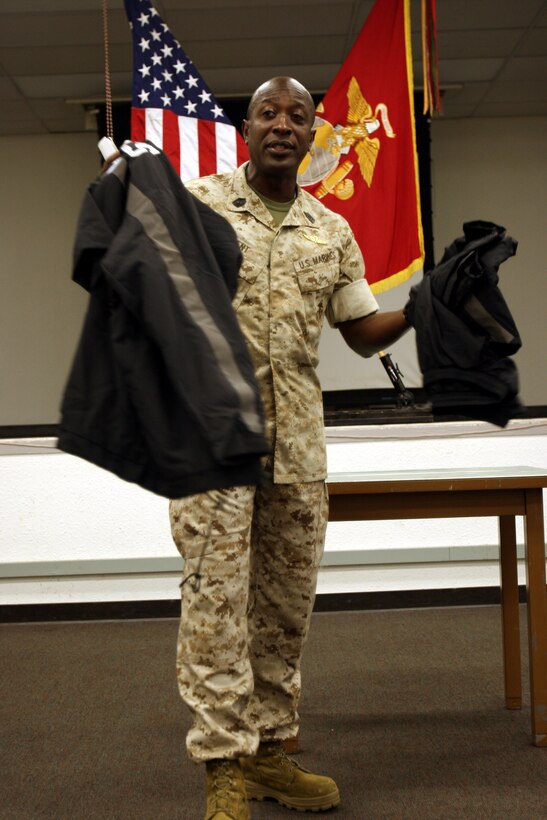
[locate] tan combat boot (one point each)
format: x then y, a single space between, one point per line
270 773
226 798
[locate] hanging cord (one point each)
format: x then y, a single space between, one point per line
430 58
107 87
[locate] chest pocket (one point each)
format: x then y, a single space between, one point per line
317 278
317 270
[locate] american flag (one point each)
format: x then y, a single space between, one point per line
171 104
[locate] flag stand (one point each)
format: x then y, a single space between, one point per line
404 397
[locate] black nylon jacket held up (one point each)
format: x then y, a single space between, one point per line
162 389
465 331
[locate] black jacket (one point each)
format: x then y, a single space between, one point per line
464 329
162 389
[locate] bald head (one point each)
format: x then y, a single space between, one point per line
282 84
279 132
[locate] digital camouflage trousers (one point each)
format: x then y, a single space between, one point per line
244 623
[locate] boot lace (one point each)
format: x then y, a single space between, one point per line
224 785
276 752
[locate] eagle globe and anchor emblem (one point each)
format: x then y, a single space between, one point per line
333 142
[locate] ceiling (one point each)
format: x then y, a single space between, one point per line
492 53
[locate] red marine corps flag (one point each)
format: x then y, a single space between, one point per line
172 106
363 162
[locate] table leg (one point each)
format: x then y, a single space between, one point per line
537 613
510 612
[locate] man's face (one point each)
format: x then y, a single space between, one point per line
279 129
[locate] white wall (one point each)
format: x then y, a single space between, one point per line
43 181
492 169
496 169
54 508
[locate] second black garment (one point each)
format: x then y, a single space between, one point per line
162 390
465 331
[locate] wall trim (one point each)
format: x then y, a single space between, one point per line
173 564
326 602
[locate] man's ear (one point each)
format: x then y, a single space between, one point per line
245 129
312 137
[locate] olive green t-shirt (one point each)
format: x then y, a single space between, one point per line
278 210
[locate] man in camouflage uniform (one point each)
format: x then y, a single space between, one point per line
258 549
